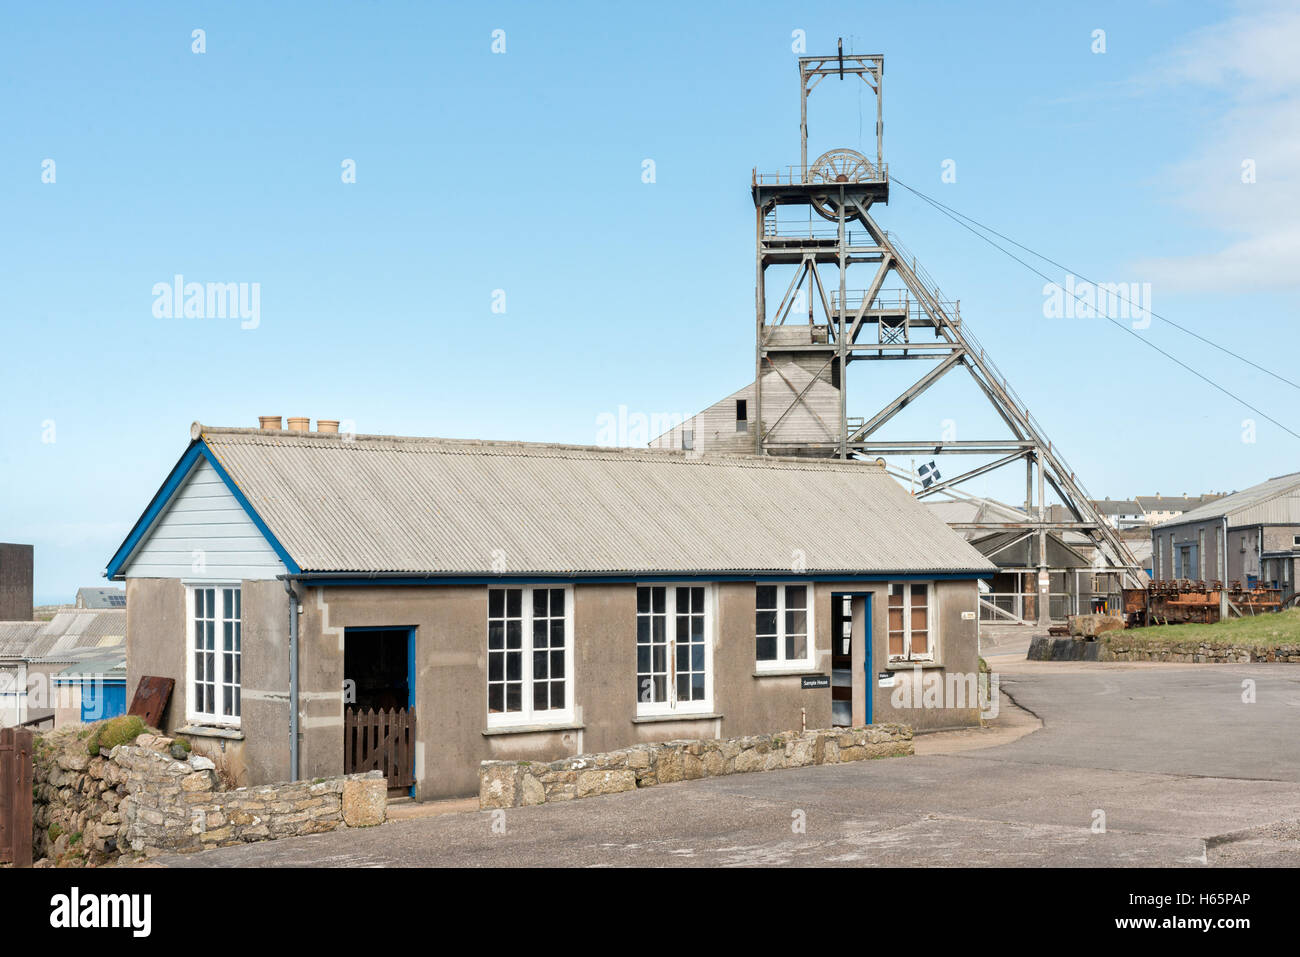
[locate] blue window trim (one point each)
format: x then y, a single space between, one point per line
356 580
84 679
162 498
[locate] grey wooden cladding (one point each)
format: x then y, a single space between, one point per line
205 535
800 404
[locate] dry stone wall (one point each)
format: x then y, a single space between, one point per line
147 797
520 783
1120 648
1126 646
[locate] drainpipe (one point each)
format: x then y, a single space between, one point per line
293 680
1223 578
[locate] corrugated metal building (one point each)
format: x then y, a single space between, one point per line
531 601
32 653
1251 537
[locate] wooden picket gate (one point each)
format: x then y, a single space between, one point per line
16 796
380 741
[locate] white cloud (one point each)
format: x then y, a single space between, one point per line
1250 63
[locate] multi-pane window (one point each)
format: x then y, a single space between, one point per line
548 649
529 655
216 649
782 626
672 649
909 621
652 646
690 644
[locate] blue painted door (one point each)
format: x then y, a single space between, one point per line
866 652
105 701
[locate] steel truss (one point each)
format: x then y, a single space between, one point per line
838 189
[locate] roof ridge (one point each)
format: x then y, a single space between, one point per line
523 447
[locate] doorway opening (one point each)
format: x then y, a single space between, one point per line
842 661
379 703
850 643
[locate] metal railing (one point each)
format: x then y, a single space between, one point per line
892 299
1022 606
799 176
775 227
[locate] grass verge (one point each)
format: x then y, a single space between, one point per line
1259 632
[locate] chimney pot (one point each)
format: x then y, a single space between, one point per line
299 424
327 425
269 422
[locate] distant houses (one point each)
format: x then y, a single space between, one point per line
70 668
71 665
99 598
1146 510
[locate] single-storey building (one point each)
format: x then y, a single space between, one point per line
100 598
92 688
1251 537
529 602
34 653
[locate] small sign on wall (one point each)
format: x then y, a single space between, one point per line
815 681
968 616
885 679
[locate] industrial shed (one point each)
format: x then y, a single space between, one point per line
33 655
526 601
1251 537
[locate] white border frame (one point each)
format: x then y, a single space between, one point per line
527 717
655 709
193 716
931 620
781 663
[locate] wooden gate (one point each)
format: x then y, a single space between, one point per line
16 796
380 741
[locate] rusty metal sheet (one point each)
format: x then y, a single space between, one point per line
151 697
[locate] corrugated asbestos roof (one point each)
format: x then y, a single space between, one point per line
1276 501
439 506
68 634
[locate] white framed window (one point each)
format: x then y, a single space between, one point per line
783 626
674 649
910 637
530 656
214 637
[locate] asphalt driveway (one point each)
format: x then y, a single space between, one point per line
1184 771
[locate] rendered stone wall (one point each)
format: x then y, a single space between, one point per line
520 783
141 798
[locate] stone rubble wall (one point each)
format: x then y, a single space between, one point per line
505 784
140 799
1194 652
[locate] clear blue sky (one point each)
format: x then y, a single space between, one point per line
522 172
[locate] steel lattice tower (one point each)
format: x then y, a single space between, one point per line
854 319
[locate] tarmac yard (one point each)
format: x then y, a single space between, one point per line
1133 765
